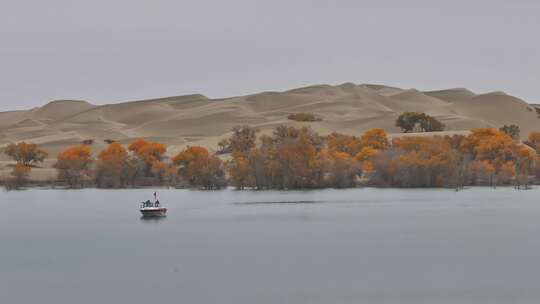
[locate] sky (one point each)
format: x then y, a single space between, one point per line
106 51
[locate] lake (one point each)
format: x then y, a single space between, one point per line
329 246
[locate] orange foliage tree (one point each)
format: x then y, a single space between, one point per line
199 168
27 154
524 164
482 170
416 162
341 170
497 148
148 156
343 143
243 139
241 172
73 164
20 174
293 158
375 138
366 156
373 141
112 168
147 150
534 141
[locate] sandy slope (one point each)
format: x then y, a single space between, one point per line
195 119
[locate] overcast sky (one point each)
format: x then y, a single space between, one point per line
107 51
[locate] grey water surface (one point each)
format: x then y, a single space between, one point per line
329 246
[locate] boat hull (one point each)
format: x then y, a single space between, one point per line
153 212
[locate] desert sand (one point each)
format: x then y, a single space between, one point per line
198 120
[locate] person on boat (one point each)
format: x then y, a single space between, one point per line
157 204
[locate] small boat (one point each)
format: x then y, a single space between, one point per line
152 209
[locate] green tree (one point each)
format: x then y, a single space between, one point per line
511 130
409 121
430 124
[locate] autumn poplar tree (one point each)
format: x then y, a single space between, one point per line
494 147
73 164
243 139
199 168
28 154
112 167
525 163
534 141
149 157
20 175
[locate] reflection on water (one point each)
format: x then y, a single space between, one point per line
301 202
274 218
152 218
280 202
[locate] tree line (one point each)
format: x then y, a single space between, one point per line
298 158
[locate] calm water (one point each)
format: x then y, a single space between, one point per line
332 246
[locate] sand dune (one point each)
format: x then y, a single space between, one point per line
60 109
498 109
196 119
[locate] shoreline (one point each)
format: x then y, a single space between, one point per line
248 190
